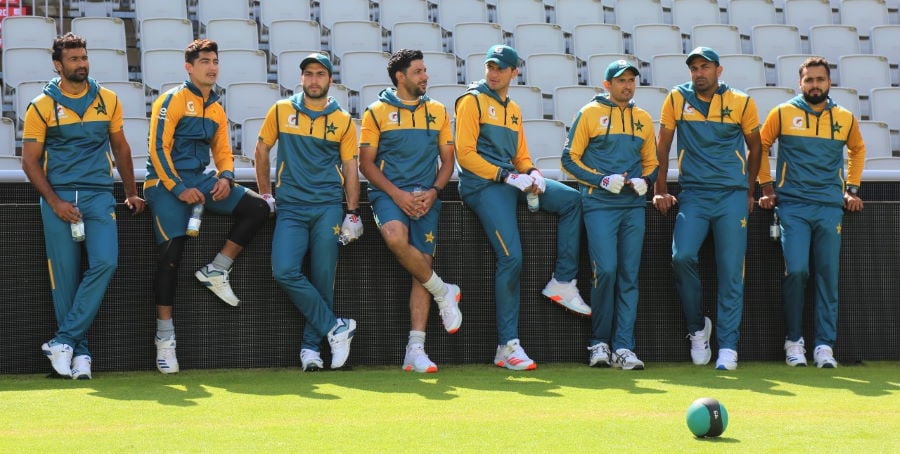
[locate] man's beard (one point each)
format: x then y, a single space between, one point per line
815 99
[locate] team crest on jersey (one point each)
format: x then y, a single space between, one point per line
604 121
190 108
797 122
292 121
394 117
688 109
492 112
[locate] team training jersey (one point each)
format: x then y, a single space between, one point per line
811 151
606 140
710 136
489 138
75 133
311 146
184 130
407 137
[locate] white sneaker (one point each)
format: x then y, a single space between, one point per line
599 355
60 356
727 359
567 296
339 338
512 356
216 281
448 304
824 357
700 351
81 367
626 360
417 360
794 353
311 360
166 362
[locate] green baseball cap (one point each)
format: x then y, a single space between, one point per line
503 55
618 67
705 52
316 57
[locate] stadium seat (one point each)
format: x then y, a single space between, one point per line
424 36
747 13
806 13
156 9
767 98
572 13
242 66
208 10
291 35
28 32
787 70
369 94
10 162
442 68
724 38
529 99
347 36
512 13
539 39
30 64
743 71
452 13
343 10
686 14
446 95
250 135
652 39
833 41
590 39
166 86
548 71
273 10
864 72
864 14
546 139
847 98
886 163
885 103
475 37
131 96
877 137
101 32
137 131
635 12
771 41
7 137
885 40
108 65
165 33
25 93
162 66
651 98
668 70
597 63
568 100
392 12
245 100
474 68
364 68
288 64
233 34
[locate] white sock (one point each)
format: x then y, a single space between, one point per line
416 337
165 329
435 285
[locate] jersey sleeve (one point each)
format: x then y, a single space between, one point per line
268 132
768 134
370 134
35 129
856 154
349 143
750 117
667 112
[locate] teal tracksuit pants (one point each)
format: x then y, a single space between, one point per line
817 226
315 229
77 296
495 206
615 241
725 212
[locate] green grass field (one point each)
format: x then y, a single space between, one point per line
472 408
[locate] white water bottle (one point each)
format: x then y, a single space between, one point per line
533 201
193 227
774 229
417 191
78 229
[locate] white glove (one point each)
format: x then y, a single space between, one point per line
519 181
639 185
352 228
269 201
538 180
613 183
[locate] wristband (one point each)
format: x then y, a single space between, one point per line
354 212
438 189
502 175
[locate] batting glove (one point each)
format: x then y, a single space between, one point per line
269 201
614 183
538 180
639 185
519 181
352 228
